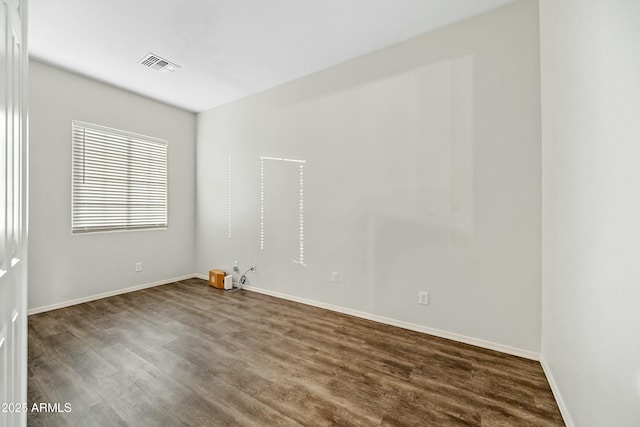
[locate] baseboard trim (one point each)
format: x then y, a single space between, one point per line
106 295
527 354
564 410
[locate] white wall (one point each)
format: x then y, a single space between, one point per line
423 173
590 57
64 267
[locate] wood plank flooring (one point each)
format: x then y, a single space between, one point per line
188 354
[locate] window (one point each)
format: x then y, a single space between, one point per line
119 180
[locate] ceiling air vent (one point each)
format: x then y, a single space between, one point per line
157 63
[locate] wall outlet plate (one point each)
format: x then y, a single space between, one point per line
138 267
335 277
423 298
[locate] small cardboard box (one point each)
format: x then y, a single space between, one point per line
216 278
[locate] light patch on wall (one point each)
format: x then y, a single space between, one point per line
261 203
301 164
301 216
229 196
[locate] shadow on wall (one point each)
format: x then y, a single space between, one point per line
417 207
421 219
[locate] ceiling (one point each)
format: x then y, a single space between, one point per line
227 49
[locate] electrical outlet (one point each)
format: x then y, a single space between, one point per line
335 277
138 267
423 298
236 266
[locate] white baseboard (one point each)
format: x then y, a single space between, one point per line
527 354
106 295
564 410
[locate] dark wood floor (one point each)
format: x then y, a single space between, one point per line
188 354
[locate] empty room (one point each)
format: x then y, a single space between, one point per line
311 213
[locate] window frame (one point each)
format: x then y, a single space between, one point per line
131 136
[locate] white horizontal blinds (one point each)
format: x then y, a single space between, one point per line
119 180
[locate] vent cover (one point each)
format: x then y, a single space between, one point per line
158 63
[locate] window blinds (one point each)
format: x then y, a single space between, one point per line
119 180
